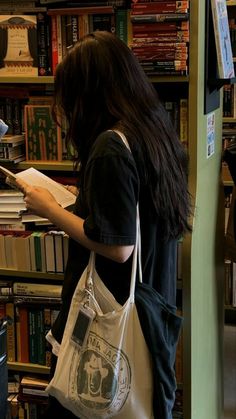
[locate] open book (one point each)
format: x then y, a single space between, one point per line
35 178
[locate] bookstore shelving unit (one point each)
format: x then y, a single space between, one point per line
202 253
230 310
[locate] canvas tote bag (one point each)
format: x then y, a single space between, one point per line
111 374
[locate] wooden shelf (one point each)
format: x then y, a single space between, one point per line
169 79
31 274
27 80
25 367
230 3
229 119
66 165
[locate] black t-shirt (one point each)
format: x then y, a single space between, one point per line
107 201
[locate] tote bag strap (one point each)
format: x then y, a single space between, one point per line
136 251
138 232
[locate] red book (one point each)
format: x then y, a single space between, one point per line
160 27
22 334
54 44
172 6
149 37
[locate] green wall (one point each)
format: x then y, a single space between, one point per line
203 250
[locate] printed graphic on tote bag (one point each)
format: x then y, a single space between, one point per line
100 378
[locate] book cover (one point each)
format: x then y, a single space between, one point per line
222 39
18 48
43 138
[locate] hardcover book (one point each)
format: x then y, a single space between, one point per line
18 47
43 137
222 39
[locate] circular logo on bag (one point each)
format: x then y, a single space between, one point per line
100 378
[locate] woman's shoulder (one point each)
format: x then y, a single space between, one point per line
109 143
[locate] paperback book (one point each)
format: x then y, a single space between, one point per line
222 39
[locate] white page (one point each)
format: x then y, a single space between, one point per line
35 178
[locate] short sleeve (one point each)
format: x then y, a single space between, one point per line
111 192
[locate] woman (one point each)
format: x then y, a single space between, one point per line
100 88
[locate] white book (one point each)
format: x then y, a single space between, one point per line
222 39
58 242
41 290
3 261
33 177
11 196
50 253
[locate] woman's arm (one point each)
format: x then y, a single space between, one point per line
41 202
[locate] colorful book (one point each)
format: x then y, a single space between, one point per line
43 138
19 34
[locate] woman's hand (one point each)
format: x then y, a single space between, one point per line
38 200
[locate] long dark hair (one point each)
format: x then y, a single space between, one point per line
100 85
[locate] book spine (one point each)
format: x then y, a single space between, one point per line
152 18
11 341
54 45
32 289
122 25
42 34
41 337
59 39
157 28
22 334
33 341
160 7
183 129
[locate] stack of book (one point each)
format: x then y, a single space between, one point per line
11 206
12 148
161 36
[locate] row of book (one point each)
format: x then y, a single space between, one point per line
178 112
160 36
229 101
12 148
44 140
230 283
27 398
32 309
33 251
158 31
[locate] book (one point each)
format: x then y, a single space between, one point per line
160 7
22 334
19 34
50 253
12 140
222 39
34 177
11 343
161 17
42 135
34 289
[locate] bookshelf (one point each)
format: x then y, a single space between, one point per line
202 253
228 134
